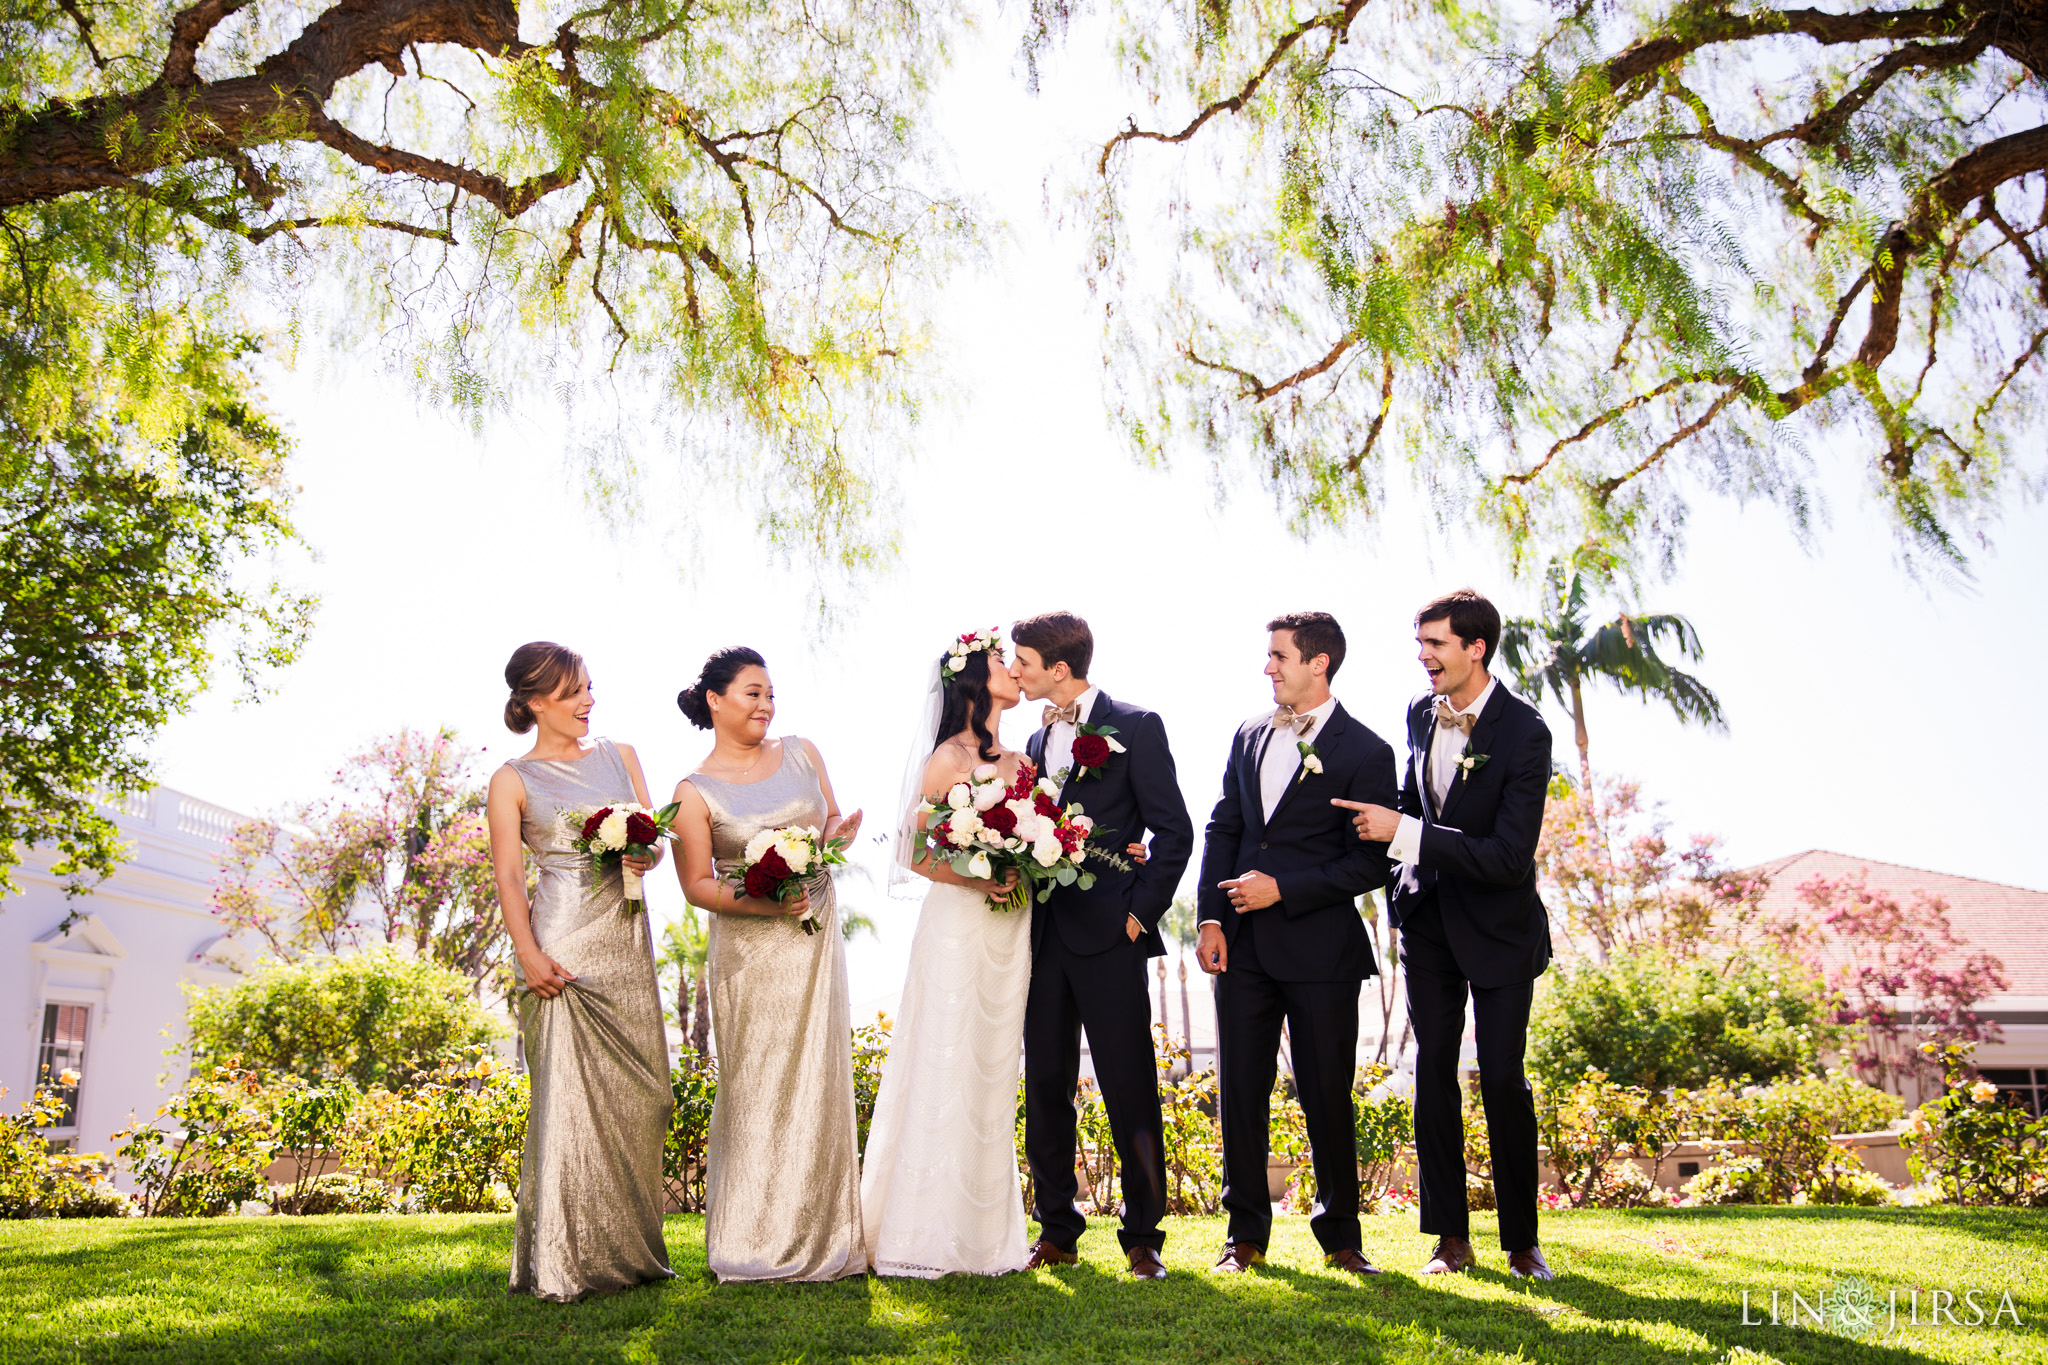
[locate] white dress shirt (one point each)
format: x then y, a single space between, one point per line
1282 759
1440 768
1059 739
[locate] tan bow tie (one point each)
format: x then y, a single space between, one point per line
1286 719
1448 719
1070 713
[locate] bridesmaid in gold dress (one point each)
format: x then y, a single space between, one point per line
782 1177
590 1191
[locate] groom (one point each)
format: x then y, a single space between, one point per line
1089 948
1464 898
1280 932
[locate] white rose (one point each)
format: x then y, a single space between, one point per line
1046 851
1082 823
987 795
797 853
959 796
1049 787
978 866
1080 855
759 845
964 824
985 773
1312 763
612 833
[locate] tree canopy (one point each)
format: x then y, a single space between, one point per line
1579 264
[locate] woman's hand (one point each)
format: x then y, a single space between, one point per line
545 977
642 866
1002 886
846 829
795 905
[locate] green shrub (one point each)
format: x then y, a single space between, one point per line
335 1192
207 1149
870 1050
1593 1124
1975 1145
1845 1180
39 1182
1187 1107
1644 1018
373 1018
453 1142
1786 1125
695 1086
1384 1118
308 1123
1731 1180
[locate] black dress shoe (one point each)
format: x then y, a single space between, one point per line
1352 1261
1529 1264
1044 1253
1146 1265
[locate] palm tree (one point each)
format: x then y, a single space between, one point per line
1555 653
1179 926
685 947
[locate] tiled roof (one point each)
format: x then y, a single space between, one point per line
2009 922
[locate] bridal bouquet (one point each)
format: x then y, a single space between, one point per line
778 861
609 834
983 826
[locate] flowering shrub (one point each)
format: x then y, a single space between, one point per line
1194 1166
1971 1144
308 1122
1596 1120
870 1050
1786 1125
208 1147
683 1152
452 1142
36 1182
1383 1115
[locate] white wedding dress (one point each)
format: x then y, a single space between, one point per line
939 1191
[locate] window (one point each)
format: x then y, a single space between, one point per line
63 1050
2021 1084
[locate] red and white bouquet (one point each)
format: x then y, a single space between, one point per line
779 861
983 826
610 834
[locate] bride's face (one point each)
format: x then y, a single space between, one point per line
743 711
1005 689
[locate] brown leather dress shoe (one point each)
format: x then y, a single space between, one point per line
1146 1265
1044 1253
1238 1257
1353 1262
1529 1263
1452 1255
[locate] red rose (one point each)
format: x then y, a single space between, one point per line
641 829
1046 806
596 819
1090 751
1001 819
760 882
772 863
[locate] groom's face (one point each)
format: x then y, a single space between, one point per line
1033 676
1295 679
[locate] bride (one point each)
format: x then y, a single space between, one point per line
939 1187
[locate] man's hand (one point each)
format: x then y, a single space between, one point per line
1376 824
1212 950
1252 891
1132 928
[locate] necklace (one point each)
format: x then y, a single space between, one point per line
758 751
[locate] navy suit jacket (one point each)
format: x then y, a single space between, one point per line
1478 855
1134 794
1313 932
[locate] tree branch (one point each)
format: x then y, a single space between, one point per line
1258 391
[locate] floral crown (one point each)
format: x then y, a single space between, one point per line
973 642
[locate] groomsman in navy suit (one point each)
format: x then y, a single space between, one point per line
1281 934
1464 898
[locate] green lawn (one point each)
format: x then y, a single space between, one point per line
1633 1288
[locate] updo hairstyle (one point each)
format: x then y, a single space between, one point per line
539 669
719 671
967 705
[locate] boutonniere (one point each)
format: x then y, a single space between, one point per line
1469 762
1093 744
1311 761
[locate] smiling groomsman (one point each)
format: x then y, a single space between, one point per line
1464 898
1280 932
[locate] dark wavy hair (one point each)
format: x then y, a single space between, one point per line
968 706
719 670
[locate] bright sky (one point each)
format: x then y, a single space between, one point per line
1867 714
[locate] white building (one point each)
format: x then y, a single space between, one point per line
105 996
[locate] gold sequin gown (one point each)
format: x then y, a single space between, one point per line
782 1176
590 1191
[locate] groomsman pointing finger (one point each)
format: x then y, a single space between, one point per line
1281 934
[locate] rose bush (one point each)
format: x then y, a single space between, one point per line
1973 1144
